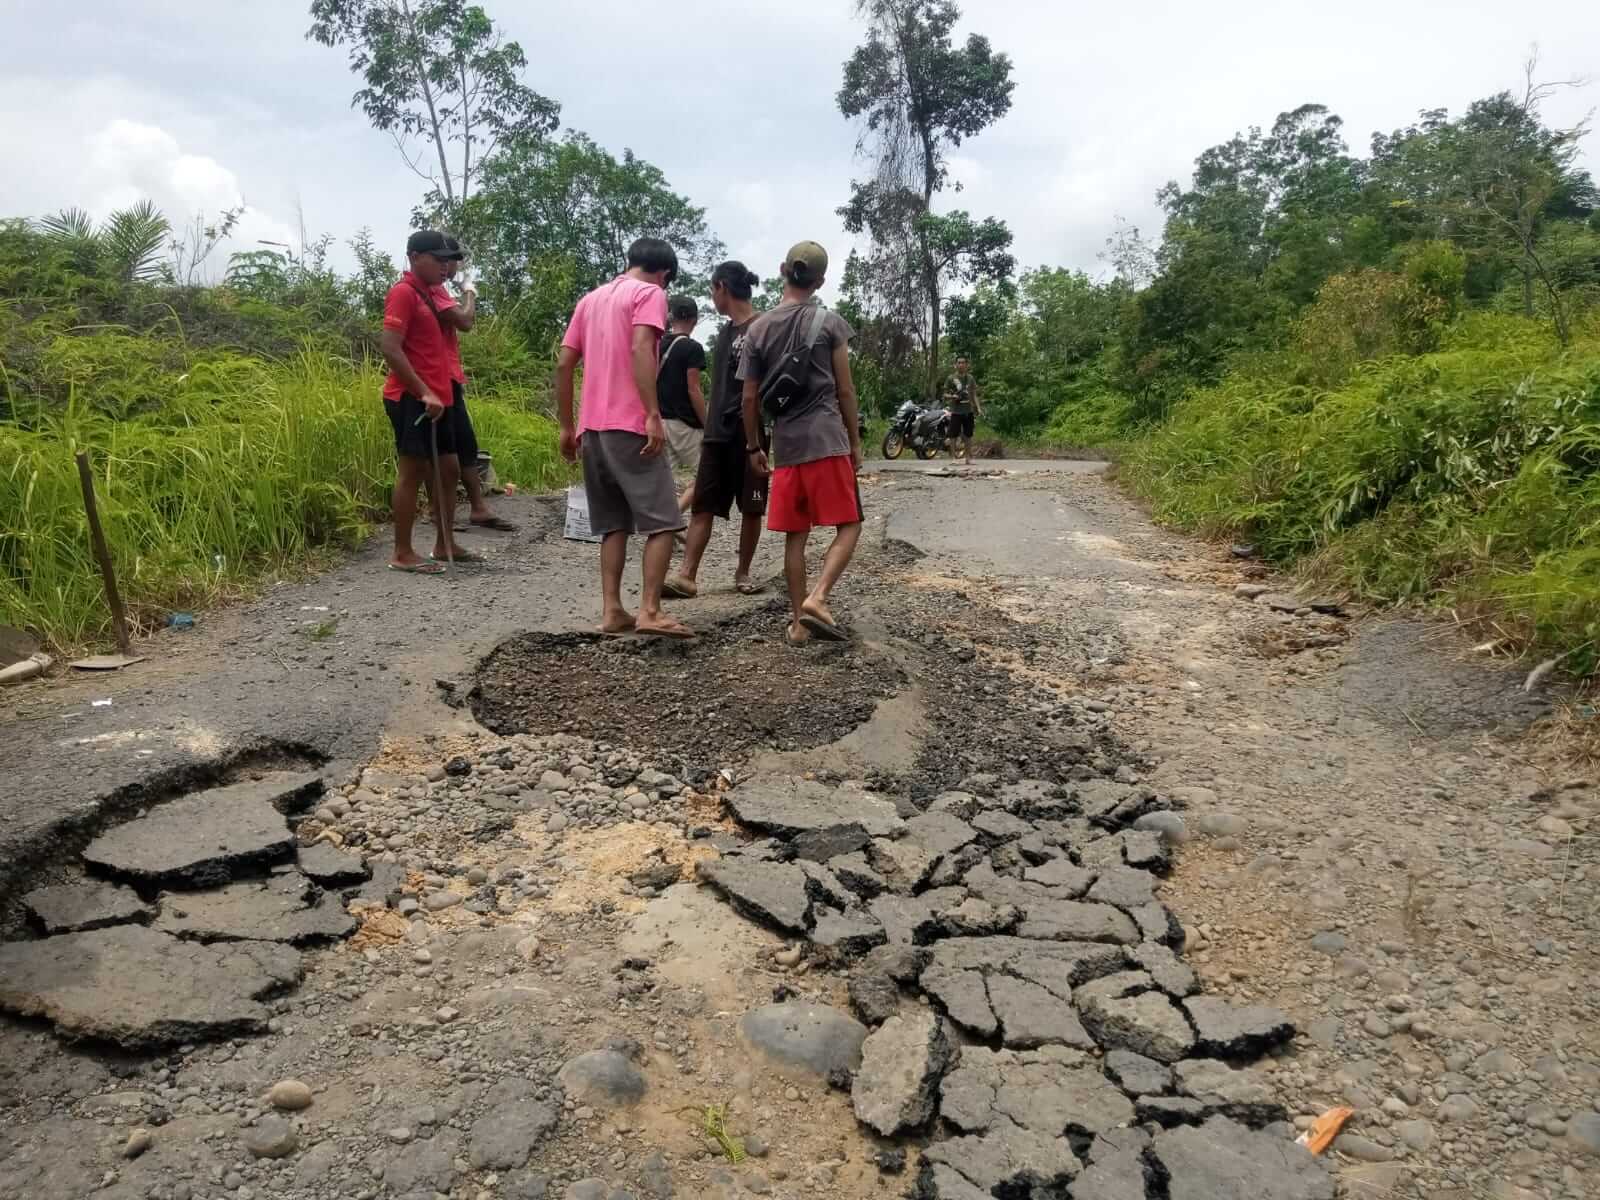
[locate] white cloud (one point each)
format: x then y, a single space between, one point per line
129 161
218 102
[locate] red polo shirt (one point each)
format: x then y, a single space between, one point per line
442 299
422 339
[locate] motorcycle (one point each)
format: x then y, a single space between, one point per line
925 430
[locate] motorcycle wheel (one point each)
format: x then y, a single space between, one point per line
894 444
928 450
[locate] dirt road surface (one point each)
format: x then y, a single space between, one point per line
538 913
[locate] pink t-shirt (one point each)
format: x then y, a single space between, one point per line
602 334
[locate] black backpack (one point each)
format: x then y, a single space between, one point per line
786 390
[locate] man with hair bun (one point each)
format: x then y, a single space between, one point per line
725 476
683 406
816 439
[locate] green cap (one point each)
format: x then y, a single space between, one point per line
812 257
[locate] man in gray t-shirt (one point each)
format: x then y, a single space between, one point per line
816 442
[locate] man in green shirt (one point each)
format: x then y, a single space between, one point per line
961 401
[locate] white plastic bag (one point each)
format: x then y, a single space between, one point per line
578 516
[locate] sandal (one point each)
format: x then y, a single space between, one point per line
428 567
498 523
822 628
680 633
676 587
749 588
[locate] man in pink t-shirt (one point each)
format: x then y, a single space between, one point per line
619 437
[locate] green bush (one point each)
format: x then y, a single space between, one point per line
1470 473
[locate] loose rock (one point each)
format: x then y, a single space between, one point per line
901 1065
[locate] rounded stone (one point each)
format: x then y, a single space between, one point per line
290 1095
271 1137
813 1036
602 1077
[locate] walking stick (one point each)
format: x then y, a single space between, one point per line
445 527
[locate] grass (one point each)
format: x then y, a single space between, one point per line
247 470
1467 477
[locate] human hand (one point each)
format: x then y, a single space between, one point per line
857 456
655 436
569 443
434 405
758 463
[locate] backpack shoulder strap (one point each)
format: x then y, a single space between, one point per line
817 318
677 340
426 299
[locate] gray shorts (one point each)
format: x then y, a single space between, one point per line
627 492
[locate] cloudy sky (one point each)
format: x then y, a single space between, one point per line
204 105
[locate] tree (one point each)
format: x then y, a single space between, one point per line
375 274
1493 180
552 219
126 247
917 95
437 72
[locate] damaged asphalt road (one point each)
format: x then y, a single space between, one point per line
1046 901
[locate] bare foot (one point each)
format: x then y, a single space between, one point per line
799 635
661 625
817 617
746 586
813 607
621 621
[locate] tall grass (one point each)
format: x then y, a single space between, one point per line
1468 476
245 469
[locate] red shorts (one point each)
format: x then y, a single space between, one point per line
822 492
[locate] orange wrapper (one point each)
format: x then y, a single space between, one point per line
1324 1129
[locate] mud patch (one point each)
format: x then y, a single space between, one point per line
692 705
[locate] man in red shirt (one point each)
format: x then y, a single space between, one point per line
419 398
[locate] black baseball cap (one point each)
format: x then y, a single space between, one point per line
431 241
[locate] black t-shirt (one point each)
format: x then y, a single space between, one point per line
725 410
679 353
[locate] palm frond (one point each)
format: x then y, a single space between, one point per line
134 239
69 225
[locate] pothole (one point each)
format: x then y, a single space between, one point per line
694 706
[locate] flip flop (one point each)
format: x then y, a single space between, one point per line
749 588
676 587
499 523
461 556
823 629
681 634
421 568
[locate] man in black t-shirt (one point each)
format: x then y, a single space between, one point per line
683 406
725 477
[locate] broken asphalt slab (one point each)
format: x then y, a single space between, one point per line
207 838
787 807
89 904
141 989
276 910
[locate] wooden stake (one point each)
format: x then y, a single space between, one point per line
119 620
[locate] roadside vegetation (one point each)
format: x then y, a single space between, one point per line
235 431
1383 369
